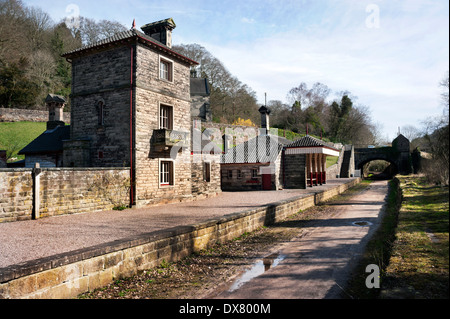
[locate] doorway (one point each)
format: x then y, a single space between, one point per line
267 182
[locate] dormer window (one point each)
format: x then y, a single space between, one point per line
165 69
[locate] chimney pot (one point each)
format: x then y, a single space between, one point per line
160 31
265 111
55 104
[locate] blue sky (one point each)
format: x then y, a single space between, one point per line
390 54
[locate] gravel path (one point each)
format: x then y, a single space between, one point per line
317 264
28 240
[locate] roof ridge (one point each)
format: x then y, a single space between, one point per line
123 35
308 141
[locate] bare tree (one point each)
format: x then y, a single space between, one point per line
230 98
92 32
410 132
437 135
38 25
13 43
108 28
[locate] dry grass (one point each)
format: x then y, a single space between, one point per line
419 264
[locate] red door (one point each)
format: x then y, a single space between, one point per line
267 182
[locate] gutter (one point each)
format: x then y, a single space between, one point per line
68 56
132 182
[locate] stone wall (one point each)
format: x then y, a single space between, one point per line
151 92
68 275
16 189
101 78
200 186
44 160
201 108
244 182
242 178
335 170
295 171
19 115
61 191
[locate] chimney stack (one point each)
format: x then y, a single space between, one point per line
160 31
55 104
265 111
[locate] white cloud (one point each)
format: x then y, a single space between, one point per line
394 69
248 20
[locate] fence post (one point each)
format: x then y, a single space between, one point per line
36 188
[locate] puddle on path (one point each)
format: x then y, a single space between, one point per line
257 269
362 223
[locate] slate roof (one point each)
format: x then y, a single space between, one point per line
200 86
260 149
131 34
48 142
309 141
55 98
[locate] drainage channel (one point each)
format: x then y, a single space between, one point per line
257 269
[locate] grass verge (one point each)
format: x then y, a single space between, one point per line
419 265
411 246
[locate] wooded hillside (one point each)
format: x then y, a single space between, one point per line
31 66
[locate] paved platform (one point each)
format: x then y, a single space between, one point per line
33 239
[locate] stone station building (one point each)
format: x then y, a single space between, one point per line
270 162
131 107
132 104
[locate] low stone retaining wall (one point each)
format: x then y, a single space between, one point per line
19 115
28 193
70 274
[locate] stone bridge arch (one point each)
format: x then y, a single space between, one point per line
394 165
398 155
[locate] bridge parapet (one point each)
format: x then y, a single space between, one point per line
399 155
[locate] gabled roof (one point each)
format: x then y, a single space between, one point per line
48 142
125 36
308 141
309 145
260 149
